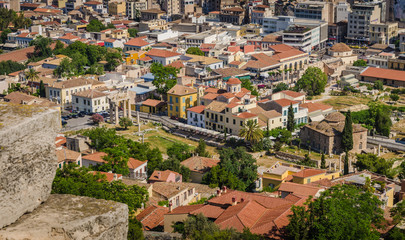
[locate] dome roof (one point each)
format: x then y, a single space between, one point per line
335 117
233 81
340 47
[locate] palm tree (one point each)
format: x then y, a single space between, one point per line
251 132
31 75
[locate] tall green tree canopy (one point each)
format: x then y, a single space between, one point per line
313 82
201 149
17 19
375 164
290 119
246 83
360 63
9 66
237 169
42 47
95 26
342 212
347 134
251 132
280 87
195 51
165 77
179 151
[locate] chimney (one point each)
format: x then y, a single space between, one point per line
219 192
224 189
242 200
159 174
234 201
170 206
115 177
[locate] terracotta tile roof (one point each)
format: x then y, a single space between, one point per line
340 47
152 217
210 211
335 117
23 98
152 10
145 59
382 73
212 90
216 106
259 64
67 155
297 189
60 141
31 5
246 115
242 93
200 164
287 54
92 3
177 64
268 114
197 109
229 72
95 157
292 93
315 106
91 93
134 164
281 48
73 83
110 40
162 53
47 10
19 55
228 95
185 209
137 42
232 105
152 102
235 63
69 36
170 189
233 9
202 59
164 175
181 90
285 102
207 45
308 173
210 96
162 44
271 38
233 81
109 176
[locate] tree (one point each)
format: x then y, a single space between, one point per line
246 83
401 169
383 122
394 97
360 63
346 164
64 69
125 122
165 77
323 161
179 151
175 165
3 36
155 159
341 212
97 118
201 149
32 75
280 87
290 119
251 132
132 32
195 51
237 169
378 85
347 134
113 58
375 164
313 81
42 91
7 67
42 47
58 46
95 26
135 230
307 161
398 212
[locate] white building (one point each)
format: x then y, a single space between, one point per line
302 37
90 101
195 40
360 18
159 35
282 105
380 60
137 169
195 116
342 12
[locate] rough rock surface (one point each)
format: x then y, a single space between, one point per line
27 158
71 217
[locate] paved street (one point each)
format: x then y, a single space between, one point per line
75 124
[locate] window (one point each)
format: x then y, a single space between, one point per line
220 118
227 120
177 108
184 100
241 123
171 108
234 122
285 113
67 93
191 98
77 100
171 99
84 101
308 180
177 100
184 108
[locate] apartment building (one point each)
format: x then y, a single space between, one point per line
91 101
134 7
282 105
342 12
117 8
383 33
96 6
315 10
306 38
362 15
171 7
151 14
259 12
234 15
179 99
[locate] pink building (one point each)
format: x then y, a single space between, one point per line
165 176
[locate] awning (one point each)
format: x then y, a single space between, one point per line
317 118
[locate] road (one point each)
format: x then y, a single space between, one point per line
387 143
79 123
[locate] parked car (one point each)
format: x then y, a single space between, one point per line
81 114
64 122
74 115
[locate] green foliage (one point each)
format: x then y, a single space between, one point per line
165 77
132 32
32 75
163 203
7 67
42 91
395 234
179 151
246 83
95 26
9 16
341 212
201 201
398 212
383 122
360 63
401 169
237 169
280 87
3 35
375 164
195 51
323 161
175 165
307 161
346 164
378 85
369 118
313 81
251 132
135 230
113 58
290 119
201 149
42 48
16 87
77 181
394 97
347 134
125 122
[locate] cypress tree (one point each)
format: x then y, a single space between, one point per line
42 89
347 134
346 164
290 119
323 161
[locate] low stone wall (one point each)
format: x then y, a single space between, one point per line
292 158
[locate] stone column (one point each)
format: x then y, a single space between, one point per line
129 110
340 162
139 122
116 114
124 103
379 149
111 112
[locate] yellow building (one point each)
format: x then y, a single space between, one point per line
309 175
152 106
132 56
117 8
119 34
180 98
